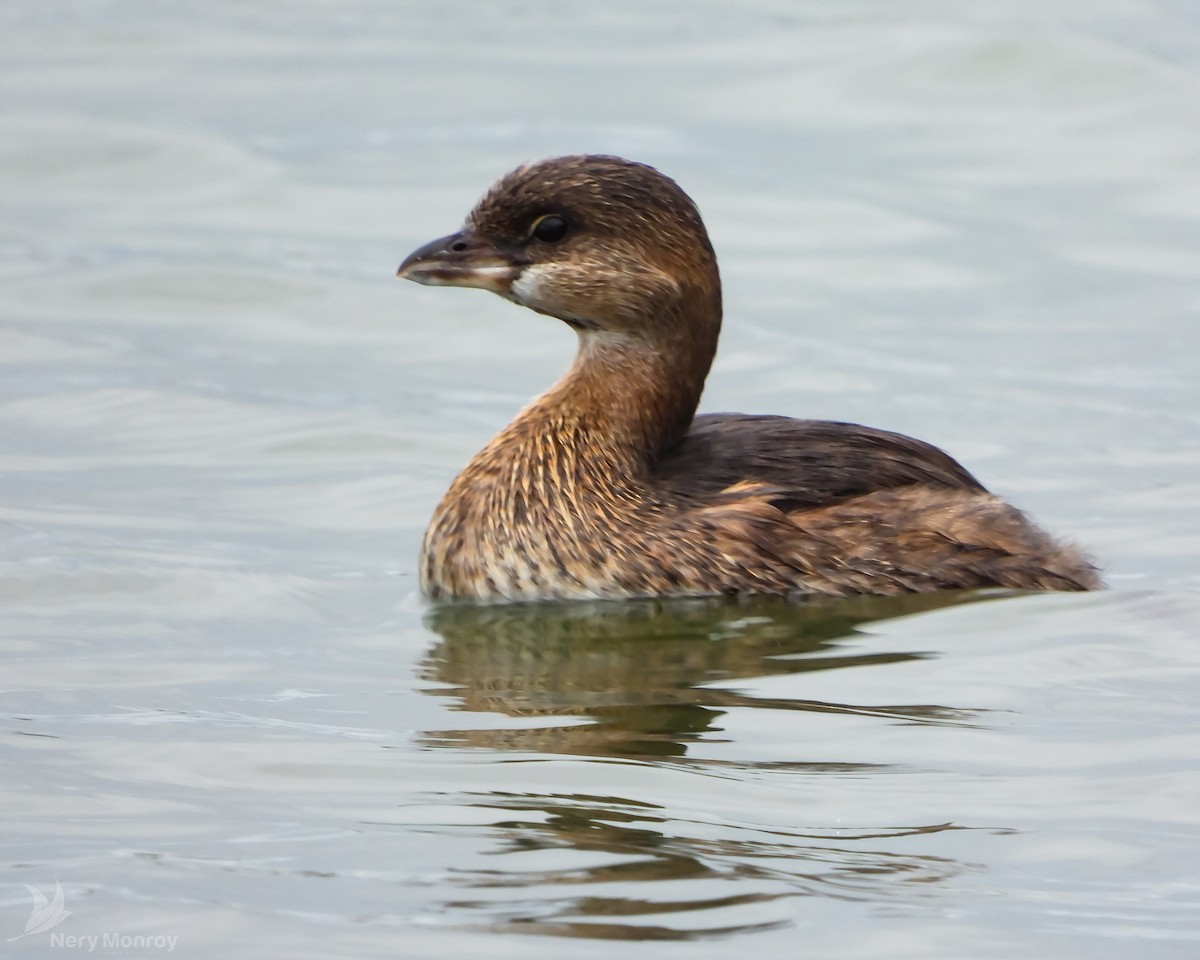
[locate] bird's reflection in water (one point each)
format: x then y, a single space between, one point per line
647 673
710 880
645 681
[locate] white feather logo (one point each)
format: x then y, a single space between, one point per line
47 914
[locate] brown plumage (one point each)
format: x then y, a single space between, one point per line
608 485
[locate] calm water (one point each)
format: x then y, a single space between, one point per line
233 729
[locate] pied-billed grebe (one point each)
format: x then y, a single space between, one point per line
608 485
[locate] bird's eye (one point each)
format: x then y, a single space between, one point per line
550 228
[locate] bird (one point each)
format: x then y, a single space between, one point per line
610 486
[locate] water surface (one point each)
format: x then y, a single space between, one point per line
231 720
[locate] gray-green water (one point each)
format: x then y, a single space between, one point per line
232 728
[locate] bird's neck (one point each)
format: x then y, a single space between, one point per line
627 400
